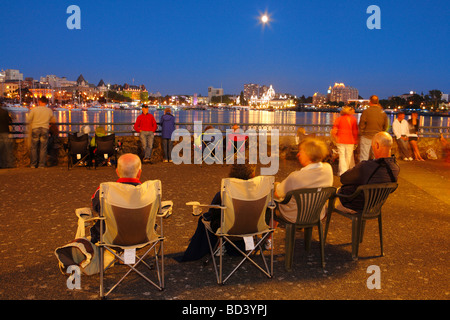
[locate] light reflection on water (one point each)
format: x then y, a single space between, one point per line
79 117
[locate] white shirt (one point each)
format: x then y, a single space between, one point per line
313 175
400 128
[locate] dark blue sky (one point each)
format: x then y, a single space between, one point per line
182 47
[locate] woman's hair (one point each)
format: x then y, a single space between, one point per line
243 171
346 110
167 110
315 149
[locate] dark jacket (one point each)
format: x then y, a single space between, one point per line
167 125
5 120
381 170
372 121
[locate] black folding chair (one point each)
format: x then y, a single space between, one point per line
105 151
78 151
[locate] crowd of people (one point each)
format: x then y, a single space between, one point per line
376 163
347 134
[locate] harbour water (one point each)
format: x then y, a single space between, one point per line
223 116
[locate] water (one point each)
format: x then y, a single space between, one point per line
242 117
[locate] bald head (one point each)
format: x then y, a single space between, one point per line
374 101
382 145
129 166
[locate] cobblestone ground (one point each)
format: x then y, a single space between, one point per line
38 215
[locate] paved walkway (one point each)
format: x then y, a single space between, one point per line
37 215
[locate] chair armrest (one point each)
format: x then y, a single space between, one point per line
196 207
272 206
166 209
347 196
285 200
84 213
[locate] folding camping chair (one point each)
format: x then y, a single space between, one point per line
78 151
105 150
129 214
211 148
243 215
235 145
375 195
310 203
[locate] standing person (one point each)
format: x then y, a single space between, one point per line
345 133
413 125
146 126
401 131
372 121
167 123
6 156
39 119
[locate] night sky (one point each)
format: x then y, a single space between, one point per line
182 47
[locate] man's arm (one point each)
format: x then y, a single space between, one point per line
137 124
362 122
386 121
396 129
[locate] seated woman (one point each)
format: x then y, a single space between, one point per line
413 124
198 246
313 174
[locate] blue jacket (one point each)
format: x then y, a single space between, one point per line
167 125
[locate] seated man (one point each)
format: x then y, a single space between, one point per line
129 172
382 169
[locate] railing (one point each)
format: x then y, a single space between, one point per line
122 129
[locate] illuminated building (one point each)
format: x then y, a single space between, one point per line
340 93
319 99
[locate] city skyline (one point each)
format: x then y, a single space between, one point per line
186 47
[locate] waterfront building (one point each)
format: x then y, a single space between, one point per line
214 92
134 92
57 82
341 93
13 75
281 103
250 90
263 101
319 99
8 89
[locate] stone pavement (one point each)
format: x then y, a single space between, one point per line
37 216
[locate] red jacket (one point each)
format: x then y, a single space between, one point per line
347 129
145 122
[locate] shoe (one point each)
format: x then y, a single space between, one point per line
268 244
405 159
410 159
165 160
170 161
224 250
